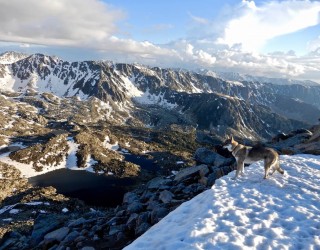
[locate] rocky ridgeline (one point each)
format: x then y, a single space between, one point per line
301 141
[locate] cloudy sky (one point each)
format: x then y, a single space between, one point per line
268 38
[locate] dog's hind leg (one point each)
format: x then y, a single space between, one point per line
278 168
240 165
273 170
267 166
274 166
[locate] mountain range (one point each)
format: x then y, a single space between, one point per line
156 97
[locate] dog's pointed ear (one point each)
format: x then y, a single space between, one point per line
231 138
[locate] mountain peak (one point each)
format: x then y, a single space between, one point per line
9 57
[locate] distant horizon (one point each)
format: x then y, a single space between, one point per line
196 70
269 38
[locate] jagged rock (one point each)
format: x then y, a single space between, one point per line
143 218
303 131
87 248
70 237
158 213
58 234
132 221
84 232
204 171
152 205
142 229
80 238
309 148
116 229
120 213
121 236
157 182
135 207
130 197
193 189
77 222
166 196
147 195
204 181
219 172
185 173
79 244
292 141
206 156
44 224
280 137
178 188
9 240
316 134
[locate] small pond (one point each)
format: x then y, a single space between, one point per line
93 189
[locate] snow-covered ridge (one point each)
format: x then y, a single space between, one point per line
237 77
123 86
11 57
282 212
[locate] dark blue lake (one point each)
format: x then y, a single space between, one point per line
93 189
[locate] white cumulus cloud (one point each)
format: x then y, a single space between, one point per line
59 22
252 26
228 42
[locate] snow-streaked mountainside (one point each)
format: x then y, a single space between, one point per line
282 212
11 57
136 91
237 77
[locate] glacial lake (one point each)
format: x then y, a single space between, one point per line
93 189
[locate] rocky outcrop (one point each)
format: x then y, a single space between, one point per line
60 223
51 153
66 223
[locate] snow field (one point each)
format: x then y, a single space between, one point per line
282 212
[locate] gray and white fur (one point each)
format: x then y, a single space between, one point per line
246 155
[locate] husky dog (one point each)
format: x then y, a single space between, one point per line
245 154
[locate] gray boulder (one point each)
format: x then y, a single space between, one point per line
185 173
77 222
206 156
166 196
130 197
135 207
58 234
132 221
142 229
43 225
70 237
157 182
158 213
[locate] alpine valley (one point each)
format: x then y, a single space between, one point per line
129 122
94 111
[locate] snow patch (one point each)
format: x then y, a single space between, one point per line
108 145
251 213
